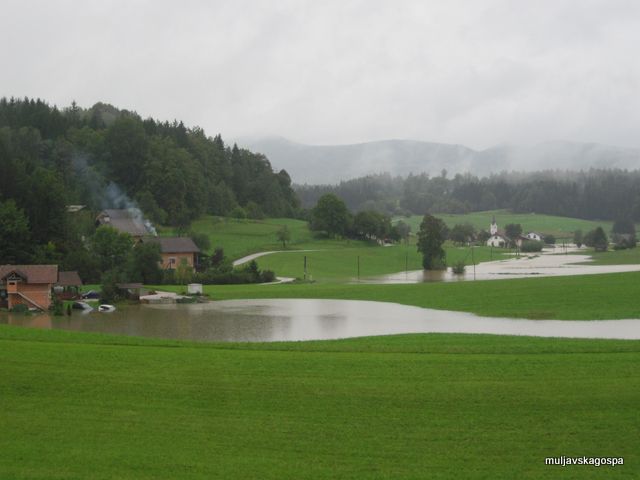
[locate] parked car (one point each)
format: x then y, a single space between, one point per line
81 306
91 295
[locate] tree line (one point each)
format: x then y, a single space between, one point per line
593 194
104 157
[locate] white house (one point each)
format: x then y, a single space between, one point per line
534 236
497 240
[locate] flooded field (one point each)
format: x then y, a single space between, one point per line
287 320
541 265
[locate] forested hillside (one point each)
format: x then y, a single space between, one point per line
103 157
591 194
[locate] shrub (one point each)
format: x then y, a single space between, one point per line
458 268
239 212
531 246
58 307
268 276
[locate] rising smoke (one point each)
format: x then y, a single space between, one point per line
103 195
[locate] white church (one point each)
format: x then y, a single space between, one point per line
497 238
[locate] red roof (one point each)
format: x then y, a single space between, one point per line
31 273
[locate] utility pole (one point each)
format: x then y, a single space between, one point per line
305 267
474 263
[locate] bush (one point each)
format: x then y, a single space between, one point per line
268 276
458 268
58 308
531 246
109 293
254 211
202 241
597 239
239 212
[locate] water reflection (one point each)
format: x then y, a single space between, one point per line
285 320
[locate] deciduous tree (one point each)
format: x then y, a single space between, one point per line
330 215
433 233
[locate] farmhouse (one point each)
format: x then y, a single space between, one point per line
29 285
534 236
174 249
129 221
497 240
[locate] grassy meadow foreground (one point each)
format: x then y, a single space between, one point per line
413 406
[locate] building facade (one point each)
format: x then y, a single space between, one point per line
29 285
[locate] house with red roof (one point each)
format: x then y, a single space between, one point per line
29 285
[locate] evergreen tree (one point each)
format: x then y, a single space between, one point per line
15 241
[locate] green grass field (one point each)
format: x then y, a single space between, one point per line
584 297
79 406
341 264
334 260
242 237
615 257
560 227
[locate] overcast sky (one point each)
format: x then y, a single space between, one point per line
478 73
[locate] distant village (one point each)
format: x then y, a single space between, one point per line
500 239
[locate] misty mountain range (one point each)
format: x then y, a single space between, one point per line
329 164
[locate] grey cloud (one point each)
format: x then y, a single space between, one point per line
465 72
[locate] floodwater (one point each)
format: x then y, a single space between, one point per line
287 320
547 264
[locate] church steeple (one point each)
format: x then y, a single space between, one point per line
494 226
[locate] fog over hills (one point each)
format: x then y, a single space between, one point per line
314 164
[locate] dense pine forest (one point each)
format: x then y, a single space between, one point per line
103 157
592 194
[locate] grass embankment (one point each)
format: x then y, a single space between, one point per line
417 406
586 297
560 227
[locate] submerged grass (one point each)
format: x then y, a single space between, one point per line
412 406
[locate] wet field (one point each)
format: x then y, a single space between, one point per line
290 320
